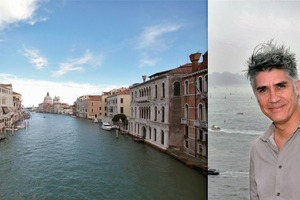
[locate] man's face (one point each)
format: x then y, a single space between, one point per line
277 96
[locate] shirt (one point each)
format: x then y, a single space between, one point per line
274 174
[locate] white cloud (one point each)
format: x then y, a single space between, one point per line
77 64
34 91
12 12
153 36
148 62
34 58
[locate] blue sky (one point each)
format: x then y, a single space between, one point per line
73 48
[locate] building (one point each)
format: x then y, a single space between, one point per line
156 109
118 103
54 105
11 107
194 107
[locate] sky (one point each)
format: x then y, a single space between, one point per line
71 48
236 27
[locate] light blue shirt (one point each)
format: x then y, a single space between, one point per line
274 174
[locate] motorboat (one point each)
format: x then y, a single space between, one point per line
106 126
212 172
215 128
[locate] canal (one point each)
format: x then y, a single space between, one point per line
63 157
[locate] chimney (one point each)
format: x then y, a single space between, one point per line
144 78
194 59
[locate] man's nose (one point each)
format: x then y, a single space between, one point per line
274 97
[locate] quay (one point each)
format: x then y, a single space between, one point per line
199 164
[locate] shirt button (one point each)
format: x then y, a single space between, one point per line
278 193
279 166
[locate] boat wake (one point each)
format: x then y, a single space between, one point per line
235 174
236 131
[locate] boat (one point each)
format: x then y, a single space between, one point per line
106 126
213 172
215 128
96 120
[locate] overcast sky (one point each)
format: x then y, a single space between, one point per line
236 27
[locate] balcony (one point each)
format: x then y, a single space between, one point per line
143 99
184 121
199 123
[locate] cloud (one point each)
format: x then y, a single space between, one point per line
77 64
34 58
12 12
34 91
144 62
152 36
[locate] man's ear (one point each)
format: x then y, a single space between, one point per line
298 88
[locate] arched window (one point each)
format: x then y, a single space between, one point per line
200 112
155 113
162 137
163 114
200 85
186 87
176 88
163 90
155 91
186 111
155 134
205 84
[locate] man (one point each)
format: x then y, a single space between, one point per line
275 156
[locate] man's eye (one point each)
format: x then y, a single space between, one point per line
281 86
262 90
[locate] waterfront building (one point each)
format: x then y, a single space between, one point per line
118 102
194 107
81 106
11 106
103 106
93 107
46 105
88 106
17 106
54 105
156 109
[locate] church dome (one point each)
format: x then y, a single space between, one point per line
47 98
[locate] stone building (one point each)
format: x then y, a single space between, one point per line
156 109
194 107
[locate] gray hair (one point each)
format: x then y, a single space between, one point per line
268 56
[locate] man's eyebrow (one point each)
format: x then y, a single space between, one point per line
260 87
282 83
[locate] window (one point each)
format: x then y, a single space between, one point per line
155 91
163 90
186 111
176 88
205 84
155 113
162 137
121 100
150 133
187 144
186 131
186 87
200 85
163 114
121 110
200 112
155 134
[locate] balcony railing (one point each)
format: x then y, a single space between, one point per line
184 121
199 123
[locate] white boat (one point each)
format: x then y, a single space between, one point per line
215 128
96 120
106 126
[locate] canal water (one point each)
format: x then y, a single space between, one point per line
62 157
